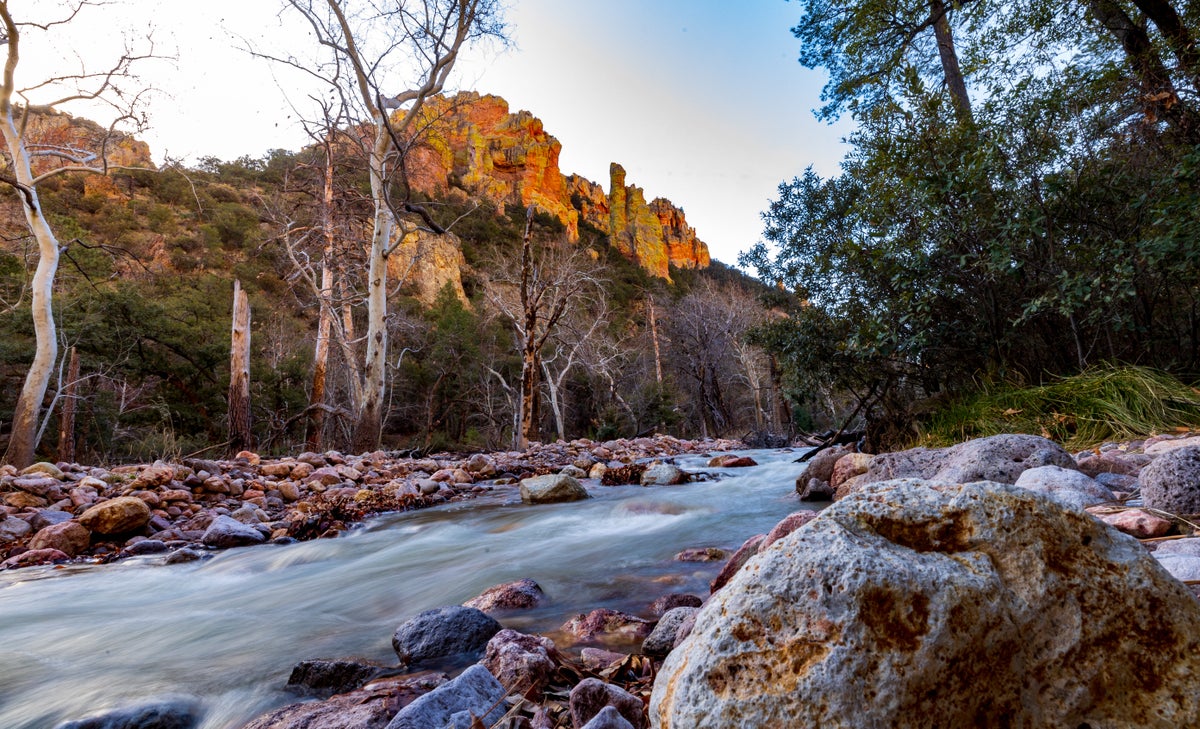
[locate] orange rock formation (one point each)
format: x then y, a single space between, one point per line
473 144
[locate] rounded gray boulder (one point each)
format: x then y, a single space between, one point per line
443 632
1172 481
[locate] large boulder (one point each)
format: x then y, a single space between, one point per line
1172 481
1001 458
552 489
924 604
116 516
443 632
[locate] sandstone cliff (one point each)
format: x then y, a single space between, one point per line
471 144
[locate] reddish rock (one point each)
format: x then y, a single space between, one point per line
34 557
701 554
729 460
518 595
69 537
786 526
748 549
674 600
847 467
1137 523
522 663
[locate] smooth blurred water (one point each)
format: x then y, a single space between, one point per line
79 640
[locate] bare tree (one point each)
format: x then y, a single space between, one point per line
533 295
28 163
370 46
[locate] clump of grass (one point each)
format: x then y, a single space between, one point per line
1100 404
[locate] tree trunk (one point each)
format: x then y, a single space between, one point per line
370 415
315 435
1168 22
949 57
530 400
66 417
658 376
22 443
240 437
1158 96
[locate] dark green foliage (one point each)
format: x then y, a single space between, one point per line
1049 230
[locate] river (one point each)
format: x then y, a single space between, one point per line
82 639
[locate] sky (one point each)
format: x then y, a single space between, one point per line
702 101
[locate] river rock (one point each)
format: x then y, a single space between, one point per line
608 718
173 714
324 678
518 595
730 460
370 707
45 469
116 516
552 489
443 632
743 554
1117 463
1183 567
591 695
1137 523
33 558
153 477
604 622
38 485
662 639
45 517
12 529
1166 445
786 526
475 692
1001 458
816 490
673 600
1187 545
849 466
68 537
701 554
522 663
225 532
664 474
1172 481
1066 486
922 604
820 468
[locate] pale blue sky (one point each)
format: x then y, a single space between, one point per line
702 101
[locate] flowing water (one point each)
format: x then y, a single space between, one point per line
78 640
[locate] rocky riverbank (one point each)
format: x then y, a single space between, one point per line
1001 581
56 513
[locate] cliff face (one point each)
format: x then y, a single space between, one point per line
473 144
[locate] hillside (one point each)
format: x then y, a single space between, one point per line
143 293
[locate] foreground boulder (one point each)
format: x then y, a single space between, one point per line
920 604
1001 458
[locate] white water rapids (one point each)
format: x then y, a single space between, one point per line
80 640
